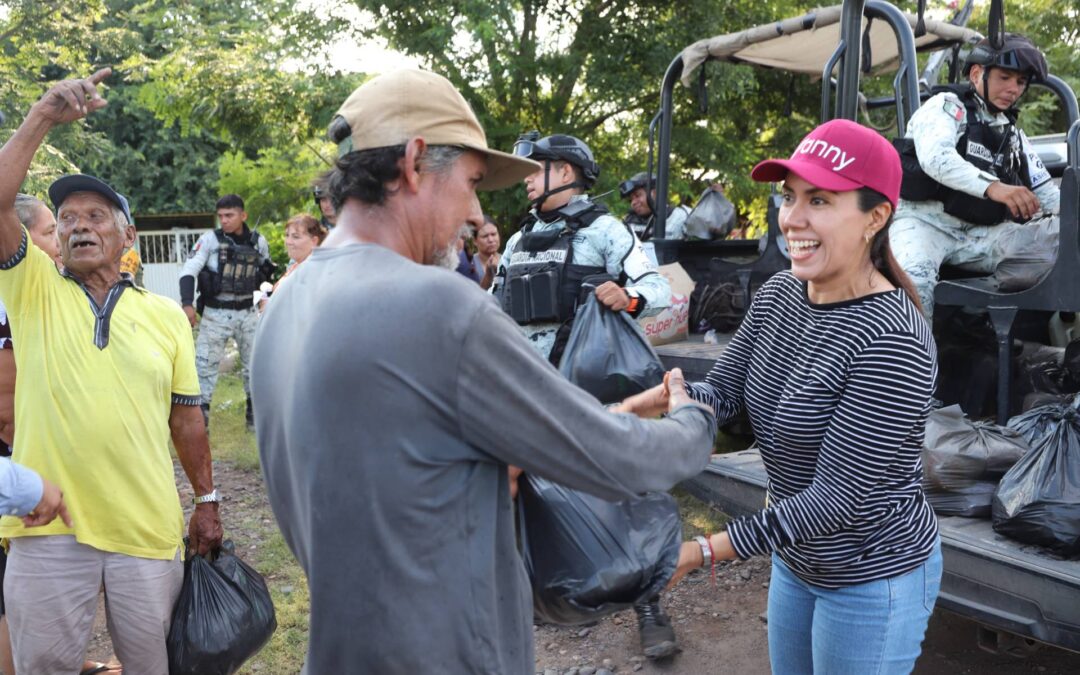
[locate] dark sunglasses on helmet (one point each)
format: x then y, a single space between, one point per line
524 148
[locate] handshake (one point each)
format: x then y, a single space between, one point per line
663 398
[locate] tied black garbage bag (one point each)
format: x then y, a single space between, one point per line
1039 421
223 617
608 356
1038 500
713 217
587 557
964 460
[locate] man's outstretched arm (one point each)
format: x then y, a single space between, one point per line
65 102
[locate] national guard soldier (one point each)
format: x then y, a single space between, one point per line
970 174
566 242
230 264
640 189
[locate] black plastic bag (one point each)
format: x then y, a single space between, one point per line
1039 421
964 460
608 356
223 617
587 557
1026 254
713 217
1038 500
720 307
1041 376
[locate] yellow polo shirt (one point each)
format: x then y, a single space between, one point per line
92 404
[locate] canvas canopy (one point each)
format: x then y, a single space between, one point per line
804 44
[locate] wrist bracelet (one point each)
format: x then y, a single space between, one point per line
706 551
708 555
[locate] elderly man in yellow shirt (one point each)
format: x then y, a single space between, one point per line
107 378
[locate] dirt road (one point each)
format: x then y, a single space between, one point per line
721 627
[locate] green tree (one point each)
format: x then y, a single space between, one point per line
162 170
191 81
243 73
42 41
593 68
277 184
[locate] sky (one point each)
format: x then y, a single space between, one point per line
346 55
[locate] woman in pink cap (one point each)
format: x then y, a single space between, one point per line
835 366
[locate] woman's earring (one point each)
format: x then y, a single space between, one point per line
868 236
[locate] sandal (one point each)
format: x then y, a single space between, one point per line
97 668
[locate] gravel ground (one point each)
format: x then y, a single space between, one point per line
721 628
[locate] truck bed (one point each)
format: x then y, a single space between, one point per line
1006 585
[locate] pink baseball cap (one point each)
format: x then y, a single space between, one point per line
840 155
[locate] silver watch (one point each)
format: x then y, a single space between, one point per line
206 499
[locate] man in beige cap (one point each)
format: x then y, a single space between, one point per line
383 388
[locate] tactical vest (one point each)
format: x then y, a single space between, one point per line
240 271
542 282
642 227
995 152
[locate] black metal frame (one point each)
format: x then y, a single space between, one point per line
1058 291
770 258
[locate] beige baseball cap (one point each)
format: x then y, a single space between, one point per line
394 107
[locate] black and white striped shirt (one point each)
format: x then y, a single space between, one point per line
837 395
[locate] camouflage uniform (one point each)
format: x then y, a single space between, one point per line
219 324
674 228
607 243
923 236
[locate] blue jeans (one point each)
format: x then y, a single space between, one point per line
876 627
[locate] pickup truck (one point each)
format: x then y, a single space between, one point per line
1009 588
1019 595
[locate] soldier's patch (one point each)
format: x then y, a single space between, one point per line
954 110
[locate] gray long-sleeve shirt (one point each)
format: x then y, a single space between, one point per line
389 399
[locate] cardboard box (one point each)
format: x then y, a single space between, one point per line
672 324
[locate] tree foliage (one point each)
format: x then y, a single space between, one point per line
194 84
234 95
593 68
277 183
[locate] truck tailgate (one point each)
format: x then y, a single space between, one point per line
1002 583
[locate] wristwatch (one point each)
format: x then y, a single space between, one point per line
205 499
634 308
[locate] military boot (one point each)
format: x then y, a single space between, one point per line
657 634
249 415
